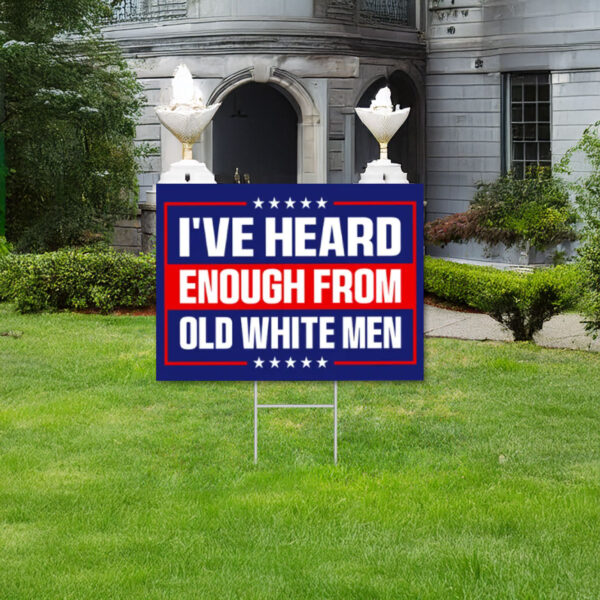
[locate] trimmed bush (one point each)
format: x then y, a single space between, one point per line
522 302
106 280
10 271
76 279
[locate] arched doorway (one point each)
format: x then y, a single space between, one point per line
256 132
406 147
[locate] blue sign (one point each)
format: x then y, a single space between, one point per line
289 282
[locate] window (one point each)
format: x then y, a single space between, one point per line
373 12
149 10
527 117
385 11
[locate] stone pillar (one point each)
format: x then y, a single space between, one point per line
148 220
127 235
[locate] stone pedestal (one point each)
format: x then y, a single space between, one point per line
383 171
188 171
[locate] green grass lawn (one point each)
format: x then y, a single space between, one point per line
482 482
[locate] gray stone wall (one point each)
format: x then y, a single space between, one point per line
575 104
463 138
149 133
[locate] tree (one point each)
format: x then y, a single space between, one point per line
587 194
71 107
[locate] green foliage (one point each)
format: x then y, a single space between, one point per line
71 109
534 211
521 302
589 255
78 279
587 193
5 247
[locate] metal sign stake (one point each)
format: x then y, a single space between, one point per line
335 431
334 406
255 422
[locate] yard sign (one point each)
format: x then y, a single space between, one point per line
289 282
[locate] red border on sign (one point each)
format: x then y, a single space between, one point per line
245 363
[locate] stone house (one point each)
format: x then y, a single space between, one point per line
493 85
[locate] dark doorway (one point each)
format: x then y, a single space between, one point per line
256 132
406 147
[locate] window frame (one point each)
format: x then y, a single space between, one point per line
507 120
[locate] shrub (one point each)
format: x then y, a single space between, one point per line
520 302
78 279
458 228
534 211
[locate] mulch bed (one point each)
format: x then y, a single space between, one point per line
439 303
122 312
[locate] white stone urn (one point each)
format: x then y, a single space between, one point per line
186 116
383 121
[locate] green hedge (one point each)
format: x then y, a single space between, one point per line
78 279
521 302
106 280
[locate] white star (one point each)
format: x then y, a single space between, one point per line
306 363
290 363
322 362
258 203
290 203
274 203
321 203
258 363
274 363
306 203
